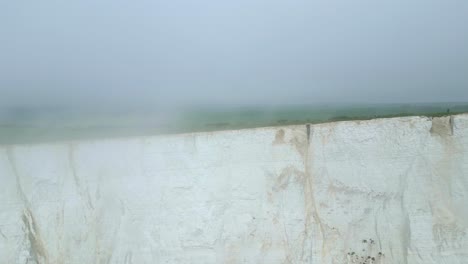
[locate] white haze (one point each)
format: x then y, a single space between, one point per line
251 52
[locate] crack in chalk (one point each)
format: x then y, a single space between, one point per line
406 238
287 242
309 199
37 250
3 234
14 168
83 190
452 125
36 247
128 258
377 233
313 205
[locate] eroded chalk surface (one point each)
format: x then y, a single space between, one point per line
379 191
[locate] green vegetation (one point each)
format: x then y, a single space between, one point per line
36 125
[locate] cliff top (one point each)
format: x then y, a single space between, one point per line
23 125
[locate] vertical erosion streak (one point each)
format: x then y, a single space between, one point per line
406 225
449 228
37 250
81 188
309 198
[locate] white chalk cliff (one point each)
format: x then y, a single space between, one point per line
380 191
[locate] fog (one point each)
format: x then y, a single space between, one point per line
244 52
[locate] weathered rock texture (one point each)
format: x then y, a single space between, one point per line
380 191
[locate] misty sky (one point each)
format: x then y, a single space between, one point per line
118 52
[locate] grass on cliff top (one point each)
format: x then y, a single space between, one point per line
33 125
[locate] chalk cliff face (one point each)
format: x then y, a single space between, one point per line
380 191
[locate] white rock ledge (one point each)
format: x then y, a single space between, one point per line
380 191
